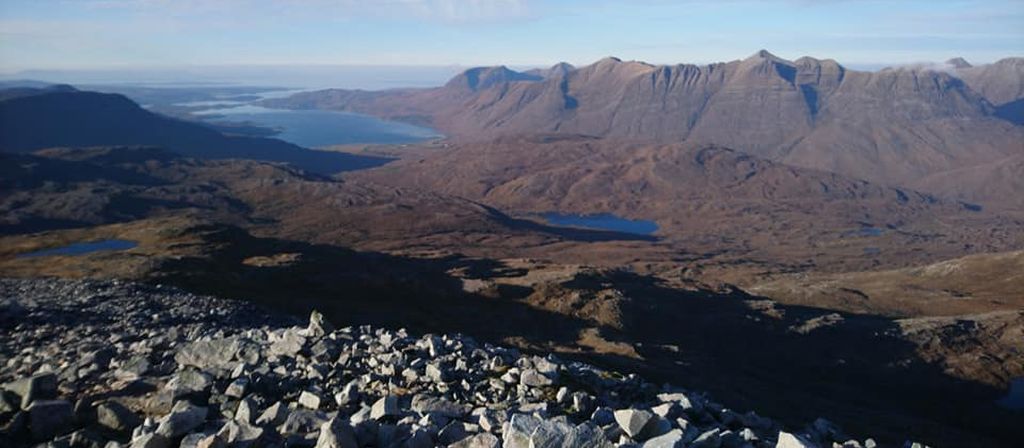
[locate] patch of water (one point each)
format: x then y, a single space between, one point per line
602 221
1014 399
866 231
82 248
317 128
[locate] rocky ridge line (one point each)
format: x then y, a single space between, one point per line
113 364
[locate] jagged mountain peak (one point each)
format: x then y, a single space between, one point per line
959 62
479 78
618 67
763 54
559 69
809 61
1014 61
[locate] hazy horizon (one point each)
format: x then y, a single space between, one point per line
135 35
304 76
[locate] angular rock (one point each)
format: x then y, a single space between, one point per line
789 440
49 418
211 354
184 417
453 432
518 431
303 422
708 439
237 388
427 404
534 378
386 406
116 417
336 433
245 411
633 421
671 439
238 434
36 387
492 420
348 394
133 369
151 440
289 343
585 436
437 374
482 440
274 415
310 400
667 410
190 381
318 325
419 439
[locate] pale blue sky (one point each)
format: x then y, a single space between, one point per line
75 34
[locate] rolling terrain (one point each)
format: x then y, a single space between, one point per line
709 198
71 188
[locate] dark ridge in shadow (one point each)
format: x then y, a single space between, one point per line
22 171
1012 111
47 118
811 98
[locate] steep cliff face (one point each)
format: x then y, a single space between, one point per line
1000 82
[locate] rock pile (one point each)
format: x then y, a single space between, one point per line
108 364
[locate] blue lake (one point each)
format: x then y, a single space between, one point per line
82 248
1014 399
316 128
602 221
865 231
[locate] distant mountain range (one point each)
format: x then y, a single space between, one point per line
33 118
898 126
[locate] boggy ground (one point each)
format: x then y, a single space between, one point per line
791 362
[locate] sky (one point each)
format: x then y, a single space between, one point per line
129 34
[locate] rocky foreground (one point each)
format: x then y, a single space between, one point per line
111 364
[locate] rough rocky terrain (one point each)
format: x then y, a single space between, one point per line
108 364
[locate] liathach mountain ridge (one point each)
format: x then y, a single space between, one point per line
900 126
